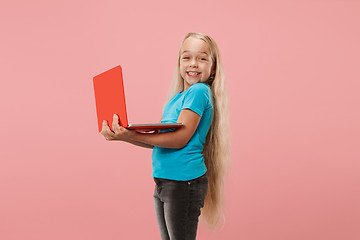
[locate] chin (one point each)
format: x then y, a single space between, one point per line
192 82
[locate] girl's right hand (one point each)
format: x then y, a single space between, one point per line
119 133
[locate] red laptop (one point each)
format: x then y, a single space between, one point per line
110 99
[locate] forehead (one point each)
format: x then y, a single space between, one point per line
195 45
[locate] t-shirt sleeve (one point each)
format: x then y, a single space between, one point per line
197 99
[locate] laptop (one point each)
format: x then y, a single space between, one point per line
110 99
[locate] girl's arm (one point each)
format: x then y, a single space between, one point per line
177 139
140 144
110 135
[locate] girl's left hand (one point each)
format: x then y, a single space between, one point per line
119 133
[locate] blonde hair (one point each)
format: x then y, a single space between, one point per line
217 145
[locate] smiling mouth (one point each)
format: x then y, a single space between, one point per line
192 74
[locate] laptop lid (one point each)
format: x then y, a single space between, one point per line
110 97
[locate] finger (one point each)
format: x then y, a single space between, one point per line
104 125
108 135
117 128
116 125
106 132
115 121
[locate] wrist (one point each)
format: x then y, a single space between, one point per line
134 136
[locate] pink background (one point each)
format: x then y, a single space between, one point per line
293 74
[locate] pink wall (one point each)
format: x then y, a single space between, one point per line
293 77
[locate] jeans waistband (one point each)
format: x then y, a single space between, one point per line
160 180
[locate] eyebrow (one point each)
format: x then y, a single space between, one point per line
199 52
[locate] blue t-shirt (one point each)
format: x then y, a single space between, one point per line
185 163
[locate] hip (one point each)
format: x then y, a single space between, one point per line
173 190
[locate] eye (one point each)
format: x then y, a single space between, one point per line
185 57
203 59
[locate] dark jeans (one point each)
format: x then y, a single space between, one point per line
177 206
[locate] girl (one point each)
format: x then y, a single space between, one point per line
188 163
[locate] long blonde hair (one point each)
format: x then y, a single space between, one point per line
217 145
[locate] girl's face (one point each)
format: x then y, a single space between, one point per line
195 62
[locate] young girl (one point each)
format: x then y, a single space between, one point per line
188 163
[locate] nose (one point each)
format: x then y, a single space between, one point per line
193 63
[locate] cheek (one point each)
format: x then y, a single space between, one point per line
207 68
181 69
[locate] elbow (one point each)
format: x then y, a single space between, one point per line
179 141
176 145
184 141
181 144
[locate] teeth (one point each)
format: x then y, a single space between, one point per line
193 73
